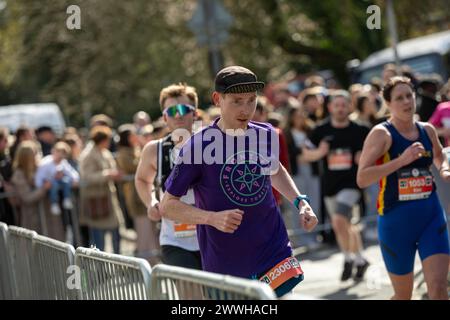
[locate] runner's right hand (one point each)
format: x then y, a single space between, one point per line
227 221
412 153
308 219
153 213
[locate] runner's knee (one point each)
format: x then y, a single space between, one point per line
340 223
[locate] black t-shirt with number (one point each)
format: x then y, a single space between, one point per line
339 167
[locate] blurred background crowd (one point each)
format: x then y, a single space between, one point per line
109 153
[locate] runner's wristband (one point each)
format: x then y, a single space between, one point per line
300 198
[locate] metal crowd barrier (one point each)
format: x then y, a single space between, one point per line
52 259
107 276
36 267
6 287
20 248
174 283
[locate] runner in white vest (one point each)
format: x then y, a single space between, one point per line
179 244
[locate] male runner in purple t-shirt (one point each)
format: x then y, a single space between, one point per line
232 165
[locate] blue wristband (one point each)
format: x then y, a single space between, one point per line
300 198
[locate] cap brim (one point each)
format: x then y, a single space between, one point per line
245 87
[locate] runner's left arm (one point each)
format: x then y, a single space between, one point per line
284 184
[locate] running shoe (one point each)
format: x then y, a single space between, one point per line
347 272
361 270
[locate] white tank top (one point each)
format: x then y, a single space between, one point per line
174 234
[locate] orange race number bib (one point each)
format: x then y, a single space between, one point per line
282 272
414 183
183 230
340 159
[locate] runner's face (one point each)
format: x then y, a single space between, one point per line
339 109
179 122
403 102
237 108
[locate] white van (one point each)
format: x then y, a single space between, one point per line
32 115
425 55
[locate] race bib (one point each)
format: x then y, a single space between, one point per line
414 183
340 159
282 272
184 230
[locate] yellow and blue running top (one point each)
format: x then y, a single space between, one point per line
411 217
413 181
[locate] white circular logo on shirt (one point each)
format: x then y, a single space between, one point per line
243 180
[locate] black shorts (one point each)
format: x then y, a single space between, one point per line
176 256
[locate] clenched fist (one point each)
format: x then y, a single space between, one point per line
153 213
227 221
308 219
412 153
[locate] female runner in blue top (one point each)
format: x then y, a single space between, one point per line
399 153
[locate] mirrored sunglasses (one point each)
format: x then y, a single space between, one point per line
181 109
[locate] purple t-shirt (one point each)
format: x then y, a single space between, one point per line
228 177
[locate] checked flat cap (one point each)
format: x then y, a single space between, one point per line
237 79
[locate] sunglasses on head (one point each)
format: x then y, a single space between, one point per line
181 109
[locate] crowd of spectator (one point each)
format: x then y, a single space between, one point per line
76 188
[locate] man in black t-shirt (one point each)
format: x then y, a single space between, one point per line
340 142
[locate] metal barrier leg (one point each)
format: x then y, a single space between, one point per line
6 272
